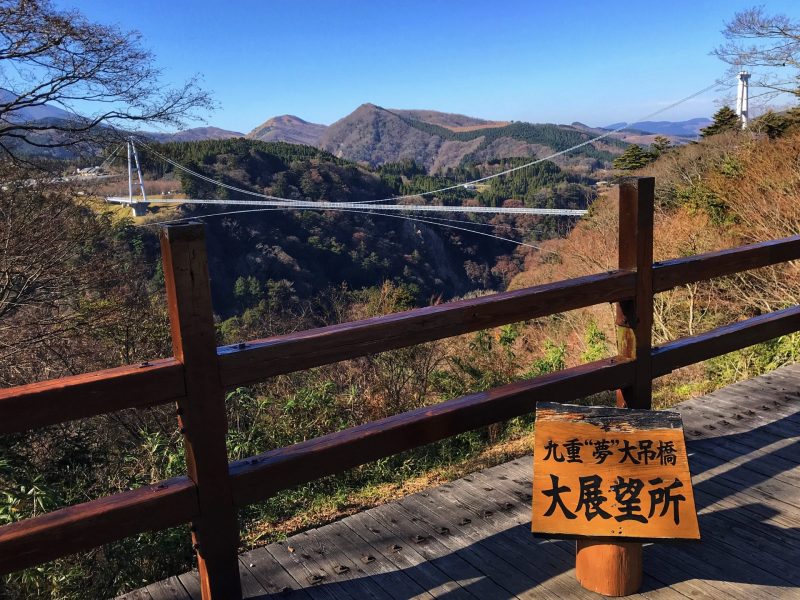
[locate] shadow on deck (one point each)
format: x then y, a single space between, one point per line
471 538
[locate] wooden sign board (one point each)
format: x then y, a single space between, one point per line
601 472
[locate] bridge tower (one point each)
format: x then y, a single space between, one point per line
139 208
742 98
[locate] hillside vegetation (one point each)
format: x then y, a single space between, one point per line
100 303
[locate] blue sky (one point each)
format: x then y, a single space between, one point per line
590 61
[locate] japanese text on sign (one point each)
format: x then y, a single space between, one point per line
604 472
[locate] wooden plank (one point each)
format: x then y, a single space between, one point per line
80 396
261 476
300 564
762 464
505 564
634 317
746 543
701 574
714 477
702 267
201 414
751 411
719 341
396 583
743 476
244 364
753 430
341 567
748 401
503 532
706 423
272 577
769 463
460 564
471 547
781 406
773 515
251 586
729 542
716 563
140 594
191 583
168 589
426 572
83 526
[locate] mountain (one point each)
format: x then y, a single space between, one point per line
288 128
690 128
195 134
33 113
375 135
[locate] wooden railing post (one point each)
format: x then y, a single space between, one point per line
615 568
635 316
201 415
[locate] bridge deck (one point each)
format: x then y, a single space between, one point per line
471 539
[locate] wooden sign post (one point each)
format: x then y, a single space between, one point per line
610 478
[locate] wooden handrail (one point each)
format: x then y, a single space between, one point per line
80 396
254 361
198 374
67 530
691 269
261 476
719 341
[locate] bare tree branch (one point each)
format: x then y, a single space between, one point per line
768 43
60 59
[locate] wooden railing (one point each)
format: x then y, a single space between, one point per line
200 373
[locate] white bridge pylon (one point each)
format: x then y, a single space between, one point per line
139 207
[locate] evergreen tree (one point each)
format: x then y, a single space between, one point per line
725 119
777 124
660 145
633 158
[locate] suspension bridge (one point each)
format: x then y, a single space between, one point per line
139 203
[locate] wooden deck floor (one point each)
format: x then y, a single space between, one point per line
470 539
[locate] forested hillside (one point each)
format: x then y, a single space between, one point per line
100 304
727 190
309 251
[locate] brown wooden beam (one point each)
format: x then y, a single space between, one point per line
259 477
635 315
680 271
719 341
80 396
259 359
83 526
201 414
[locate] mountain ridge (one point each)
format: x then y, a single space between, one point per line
288 128
688 128
438 141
